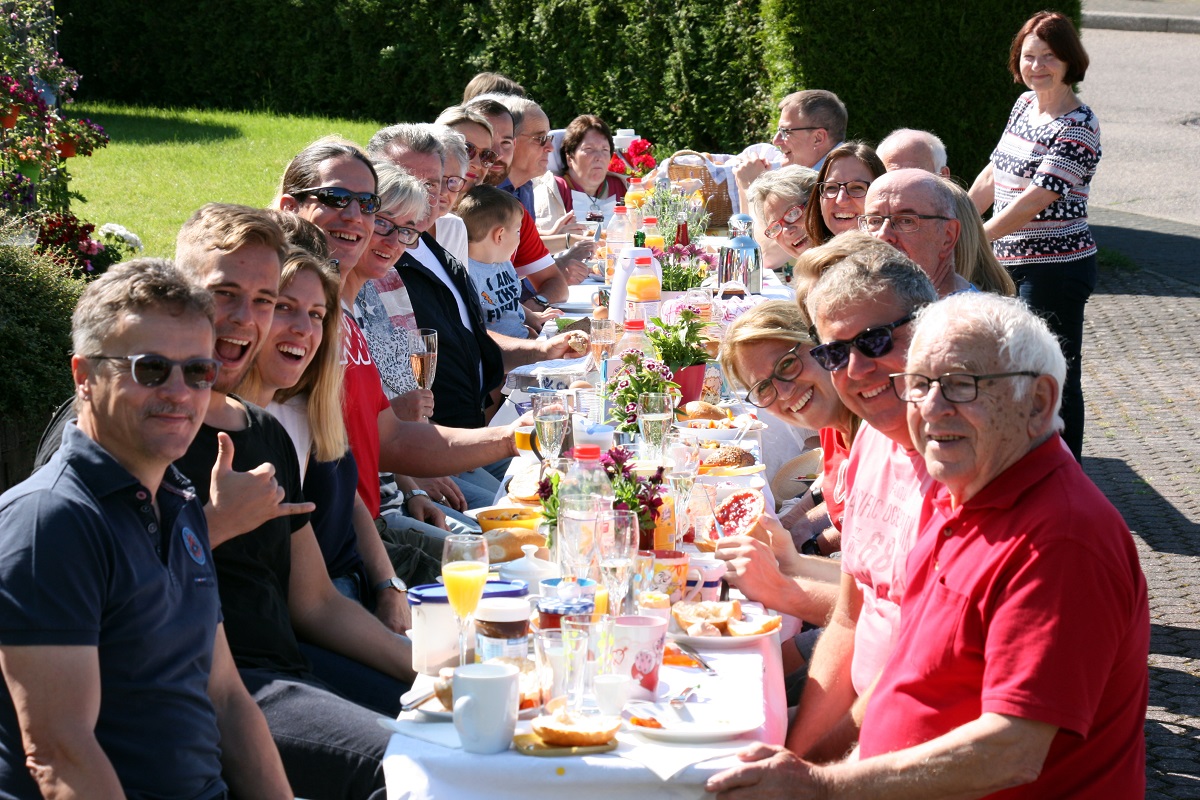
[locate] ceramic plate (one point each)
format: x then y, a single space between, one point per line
718 642
697 722
432 709
717 434
574 307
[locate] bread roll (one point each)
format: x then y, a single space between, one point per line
698 409
715 613
729 456
504 544
562 729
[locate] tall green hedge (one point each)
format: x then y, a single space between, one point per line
703 74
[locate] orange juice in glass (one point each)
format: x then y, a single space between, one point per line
464 572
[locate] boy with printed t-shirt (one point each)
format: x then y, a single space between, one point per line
493 220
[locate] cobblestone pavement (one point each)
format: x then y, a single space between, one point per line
1142 447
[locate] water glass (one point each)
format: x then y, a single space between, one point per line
587 647
616 541
551 663
682 455
576 534
655 417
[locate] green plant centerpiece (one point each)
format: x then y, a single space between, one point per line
636 376
668 204
679 344
684 266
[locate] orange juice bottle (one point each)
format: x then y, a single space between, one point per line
654 238
635 195
643 291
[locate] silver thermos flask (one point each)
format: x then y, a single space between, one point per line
741 259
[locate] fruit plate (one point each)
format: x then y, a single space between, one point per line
697 722
720 642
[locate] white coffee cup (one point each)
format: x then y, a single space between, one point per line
486 697
613 692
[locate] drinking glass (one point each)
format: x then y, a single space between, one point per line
576 533
587 646
464 572
682 454
603 341
655 412
422 355
616 543
552 418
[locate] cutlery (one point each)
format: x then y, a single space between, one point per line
417 701
691 651
678 700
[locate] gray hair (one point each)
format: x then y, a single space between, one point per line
462 115
417 137
400 194
454 144
793 184
1023 340
519 107
137 286
866 276
937 148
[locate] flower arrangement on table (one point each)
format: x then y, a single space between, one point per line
668 205
684 266
636 160
636 376
639 493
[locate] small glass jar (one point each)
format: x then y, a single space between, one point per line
502 628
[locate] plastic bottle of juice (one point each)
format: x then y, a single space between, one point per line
634 338
635 195
619 235
654 238
643 292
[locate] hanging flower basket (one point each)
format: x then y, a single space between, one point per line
65 148
9 116
32 170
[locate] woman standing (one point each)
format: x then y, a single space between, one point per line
1038 179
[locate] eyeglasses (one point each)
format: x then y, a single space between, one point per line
783 133
905 223
385 228
957 387
337 197
540 138
151 370
486 157
787 368
873 342
454 183
830 189
790 216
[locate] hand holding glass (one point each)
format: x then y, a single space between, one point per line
464 572
552 419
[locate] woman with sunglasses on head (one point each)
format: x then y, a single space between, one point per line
777 201
585 186
1038 179
841 191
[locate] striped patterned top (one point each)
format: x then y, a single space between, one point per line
1061 156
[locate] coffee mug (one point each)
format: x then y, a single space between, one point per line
525 438
638 650
486 698
669 573
600 298
704 575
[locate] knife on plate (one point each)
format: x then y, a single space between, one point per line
691 651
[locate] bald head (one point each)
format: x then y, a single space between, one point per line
907 148
909 197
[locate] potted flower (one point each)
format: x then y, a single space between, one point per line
636 376
681 347
636 160
684 266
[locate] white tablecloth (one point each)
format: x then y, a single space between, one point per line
420 770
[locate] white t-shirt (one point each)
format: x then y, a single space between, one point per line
452 236
293 416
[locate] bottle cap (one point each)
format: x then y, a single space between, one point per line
640 260
632 325
634 180
649 220
588 452
502 609
620 209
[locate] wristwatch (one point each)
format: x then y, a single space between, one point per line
414 493
391 583
810 547
541 300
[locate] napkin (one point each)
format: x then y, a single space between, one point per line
668 760
439 733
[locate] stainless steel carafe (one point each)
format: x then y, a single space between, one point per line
741 259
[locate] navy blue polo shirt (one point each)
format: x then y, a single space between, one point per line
84 562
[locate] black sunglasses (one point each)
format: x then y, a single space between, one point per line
385 227
337 197
486 157
873 342
150 370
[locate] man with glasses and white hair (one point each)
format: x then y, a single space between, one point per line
913 211
1021 659
908 148
118 678
862 309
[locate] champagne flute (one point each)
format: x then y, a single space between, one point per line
422 355
616 540
603 341
682 452
464 572
655 412
552 418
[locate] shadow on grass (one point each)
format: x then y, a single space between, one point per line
163 128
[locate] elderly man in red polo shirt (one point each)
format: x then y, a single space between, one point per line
1021 660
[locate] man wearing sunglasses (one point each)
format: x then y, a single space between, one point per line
913 211
118 678
1021 654
862 309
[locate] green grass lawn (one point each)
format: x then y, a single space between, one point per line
163 164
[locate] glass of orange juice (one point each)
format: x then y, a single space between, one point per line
464 572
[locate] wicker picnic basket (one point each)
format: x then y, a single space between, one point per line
716 194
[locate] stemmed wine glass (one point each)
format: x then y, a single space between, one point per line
552 418
616 541
655 412
682 453
603 341
422 355
464 572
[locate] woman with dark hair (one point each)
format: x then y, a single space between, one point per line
1038 181
586 186
841 191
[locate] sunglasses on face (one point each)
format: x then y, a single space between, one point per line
337 197
151 370
830 189
786 369
791 216
385 228
486 157
873 343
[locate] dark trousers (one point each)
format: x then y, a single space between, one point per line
1059 293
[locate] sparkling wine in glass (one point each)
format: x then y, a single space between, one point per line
603 340
682 454
422 355
464 572
655 416
552 419
616 540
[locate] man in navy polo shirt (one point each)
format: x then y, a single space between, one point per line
118 680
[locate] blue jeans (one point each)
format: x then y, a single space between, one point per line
1059 293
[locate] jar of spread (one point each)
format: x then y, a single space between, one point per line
502 628
552 609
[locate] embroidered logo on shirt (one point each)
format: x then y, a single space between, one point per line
194 548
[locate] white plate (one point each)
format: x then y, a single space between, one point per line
432 709
707 724
574 307
717 434
718 642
